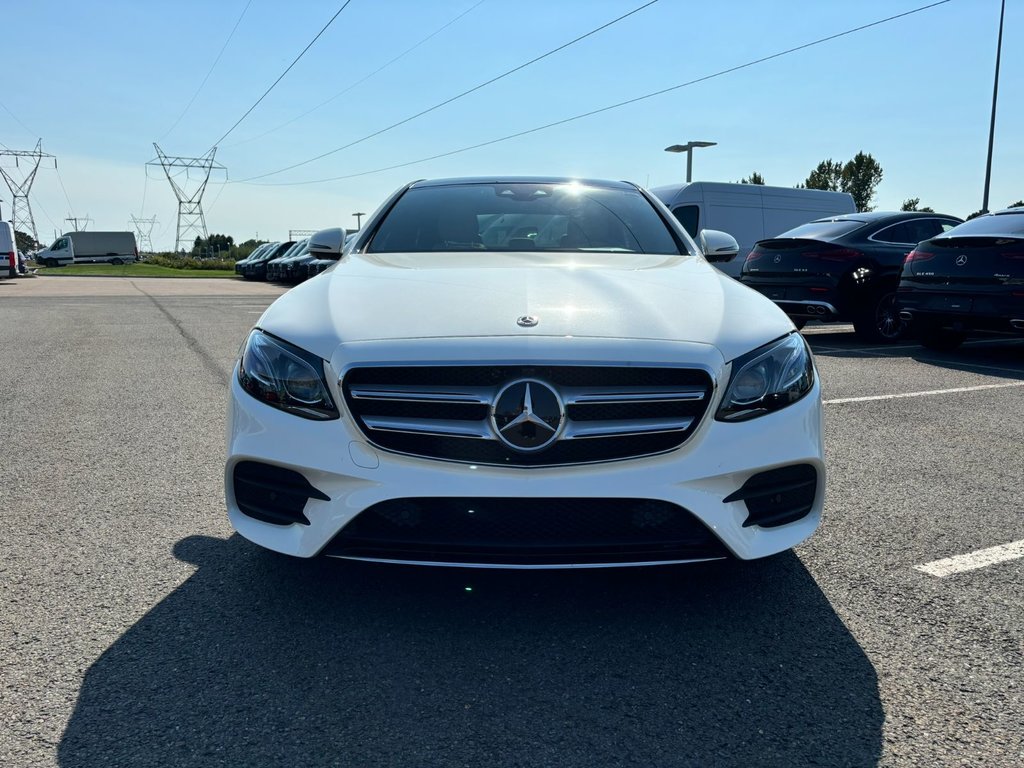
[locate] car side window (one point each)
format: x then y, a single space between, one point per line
62 244
689 217
948 225
902 233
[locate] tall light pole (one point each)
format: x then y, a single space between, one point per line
359 219
688 148
992 124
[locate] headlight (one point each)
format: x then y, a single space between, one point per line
285 377
767 379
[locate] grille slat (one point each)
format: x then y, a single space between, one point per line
443 412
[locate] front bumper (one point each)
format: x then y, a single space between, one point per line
336 459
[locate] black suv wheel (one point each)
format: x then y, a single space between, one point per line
880 320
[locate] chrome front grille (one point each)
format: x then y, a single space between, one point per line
444 412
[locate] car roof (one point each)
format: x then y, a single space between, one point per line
522 180
873 216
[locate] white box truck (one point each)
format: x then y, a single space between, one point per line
748 212
90 248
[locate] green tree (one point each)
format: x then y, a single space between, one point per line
861 177
828 176
24 241
1018 204
212 245
754 178
914 204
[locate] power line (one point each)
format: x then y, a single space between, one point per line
379 69
593 112
28 130
454 98
63 188
296 61
210 72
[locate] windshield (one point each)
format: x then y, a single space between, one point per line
826 229
523 216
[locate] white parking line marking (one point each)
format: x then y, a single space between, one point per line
973 560
926 393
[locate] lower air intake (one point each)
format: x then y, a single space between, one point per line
273 494
537 531
778 496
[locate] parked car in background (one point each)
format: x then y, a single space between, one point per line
257 268
318 263
843 268
970 278
241 263
748 212
275 265
456 392
285 268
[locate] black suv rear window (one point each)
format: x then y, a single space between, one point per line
824 230
999 224
523 216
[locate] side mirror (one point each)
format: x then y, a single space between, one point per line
327 243
717 246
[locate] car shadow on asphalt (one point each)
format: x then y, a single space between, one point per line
1002 357
258 659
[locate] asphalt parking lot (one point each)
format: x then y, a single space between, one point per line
137 630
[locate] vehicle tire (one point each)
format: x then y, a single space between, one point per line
116 262
49 262
941 339
880 322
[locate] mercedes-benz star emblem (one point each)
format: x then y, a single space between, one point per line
961 259
778 258
527 415
527 321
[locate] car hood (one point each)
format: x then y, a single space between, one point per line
379 297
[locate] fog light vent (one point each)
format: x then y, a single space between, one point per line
273 494
778 496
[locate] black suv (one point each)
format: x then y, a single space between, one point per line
968 279
843 268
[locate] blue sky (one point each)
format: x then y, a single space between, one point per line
99 82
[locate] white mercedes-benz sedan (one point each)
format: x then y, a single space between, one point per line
524 373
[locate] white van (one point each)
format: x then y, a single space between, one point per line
8 251
748 212
90 248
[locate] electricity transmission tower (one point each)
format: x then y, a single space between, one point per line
26 164
191 221
144 232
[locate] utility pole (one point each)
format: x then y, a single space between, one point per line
74 222
359 219
144 232
992 124
191 220
26 164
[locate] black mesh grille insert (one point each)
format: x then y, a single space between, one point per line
538 531
778 496
623 383
273 494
